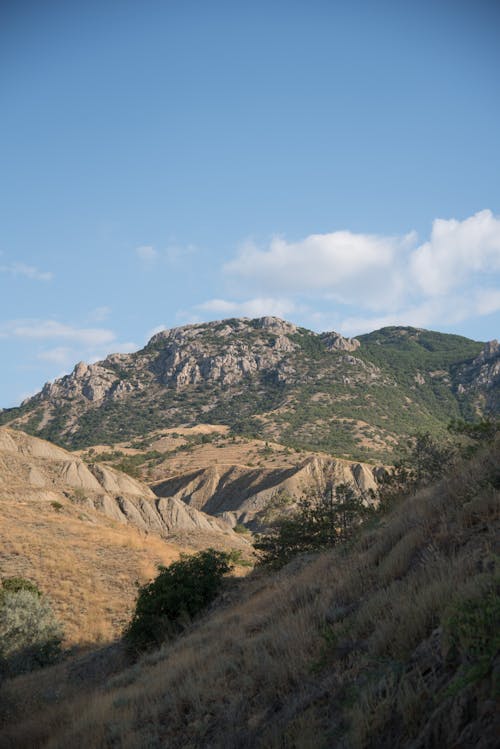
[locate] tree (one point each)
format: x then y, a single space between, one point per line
425 462
327 514
180 591
479 431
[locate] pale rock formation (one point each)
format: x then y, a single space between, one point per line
336 342
32 470
239 494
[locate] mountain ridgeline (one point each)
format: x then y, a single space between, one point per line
358 398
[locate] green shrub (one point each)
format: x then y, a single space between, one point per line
166 605
30 636
15 584
240 528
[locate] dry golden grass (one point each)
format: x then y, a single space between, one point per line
340 649
86 563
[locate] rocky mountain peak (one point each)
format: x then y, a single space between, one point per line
224 328
490 350
335 342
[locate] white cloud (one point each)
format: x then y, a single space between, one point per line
258 307
177 252
28 271
147 254
346 267
60 355
51 329
373 280
173 254
99 314
455 250
443 310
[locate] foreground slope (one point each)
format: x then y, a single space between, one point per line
388 643
353 398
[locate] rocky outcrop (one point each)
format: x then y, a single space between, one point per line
481 377
335 342
92 382
220 353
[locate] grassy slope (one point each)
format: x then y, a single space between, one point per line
351 648
86 563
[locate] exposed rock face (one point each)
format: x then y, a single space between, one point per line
187 357
334 341
482 377
242 495
90 381
34 470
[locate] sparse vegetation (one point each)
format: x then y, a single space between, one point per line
240 528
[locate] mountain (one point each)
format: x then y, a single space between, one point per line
357 398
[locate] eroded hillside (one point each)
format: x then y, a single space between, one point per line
234 478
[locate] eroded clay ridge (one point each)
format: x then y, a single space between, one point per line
32 470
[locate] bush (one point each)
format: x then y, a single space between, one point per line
30 636
15 584
166 605
240 528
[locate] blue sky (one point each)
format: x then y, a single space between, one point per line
334 163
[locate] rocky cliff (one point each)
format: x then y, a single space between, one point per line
480 378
